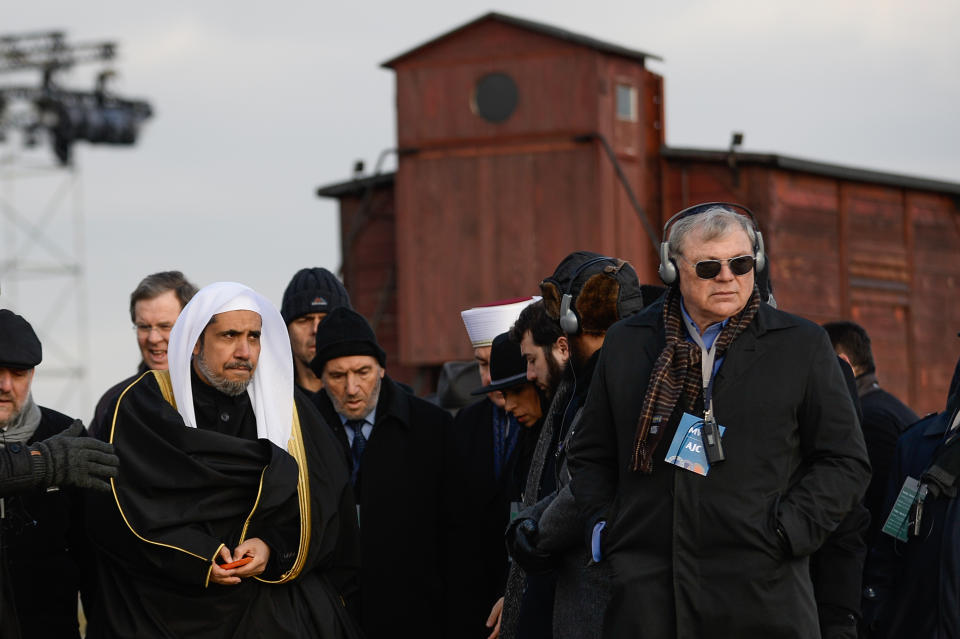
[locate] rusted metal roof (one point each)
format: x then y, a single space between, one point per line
356 186
538 27
815 168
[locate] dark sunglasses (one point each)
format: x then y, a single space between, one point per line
709 269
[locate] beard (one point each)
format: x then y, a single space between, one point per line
557 373
368 407
11 420
226 386
15 412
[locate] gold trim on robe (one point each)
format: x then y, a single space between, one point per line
294 447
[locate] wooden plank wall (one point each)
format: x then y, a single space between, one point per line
485 211
369 275
882 256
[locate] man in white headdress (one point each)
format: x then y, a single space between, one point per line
487 443
222 464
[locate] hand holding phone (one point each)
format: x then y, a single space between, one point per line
243 561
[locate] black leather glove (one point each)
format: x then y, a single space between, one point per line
521 539
71 460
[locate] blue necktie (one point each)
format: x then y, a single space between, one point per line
359 443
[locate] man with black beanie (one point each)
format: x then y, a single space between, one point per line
43 554
396 447
310 295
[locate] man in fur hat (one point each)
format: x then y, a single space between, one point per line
586 294
718 448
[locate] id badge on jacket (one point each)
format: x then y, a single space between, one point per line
687 450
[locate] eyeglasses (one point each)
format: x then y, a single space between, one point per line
145 329
709 269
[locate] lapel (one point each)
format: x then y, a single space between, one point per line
750 346
393 407
651 318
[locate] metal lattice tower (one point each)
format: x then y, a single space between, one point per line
43 274
42 226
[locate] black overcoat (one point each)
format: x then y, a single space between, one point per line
482 514
699 556
912 589
47 552
403 511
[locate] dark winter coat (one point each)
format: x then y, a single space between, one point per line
103 412
885 418
912 589
46 551
836 568
528 601
403 503
583 586
482 514
700 556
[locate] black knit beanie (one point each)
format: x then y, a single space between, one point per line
344 333
312 290
19 346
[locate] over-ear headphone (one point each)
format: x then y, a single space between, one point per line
668 268
569 321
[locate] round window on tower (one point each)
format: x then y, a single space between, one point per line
495 97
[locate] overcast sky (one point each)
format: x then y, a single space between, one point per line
256 106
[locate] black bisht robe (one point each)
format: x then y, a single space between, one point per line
182 492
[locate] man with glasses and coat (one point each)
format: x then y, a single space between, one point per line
707 486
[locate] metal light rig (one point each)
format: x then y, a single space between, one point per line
42 228
65 116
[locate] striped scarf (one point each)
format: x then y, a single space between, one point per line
677 371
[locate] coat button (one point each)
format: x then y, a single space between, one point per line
224 416
14 447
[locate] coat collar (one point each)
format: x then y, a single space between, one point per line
744 350
767 319
394 402
942 421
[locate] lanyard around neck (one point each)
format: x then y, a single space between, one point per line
708 356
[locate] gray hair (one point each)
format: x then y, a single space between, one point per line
157 284
712 223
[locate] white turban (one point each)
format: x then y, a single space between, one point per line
270 390
486 322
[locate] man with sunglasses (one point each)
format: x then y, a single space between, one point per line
718 447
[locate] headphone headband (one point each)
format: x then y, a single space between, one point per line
668 269
703 207
567 316
582 267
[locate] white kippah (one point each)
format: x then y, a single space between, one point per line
486 322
